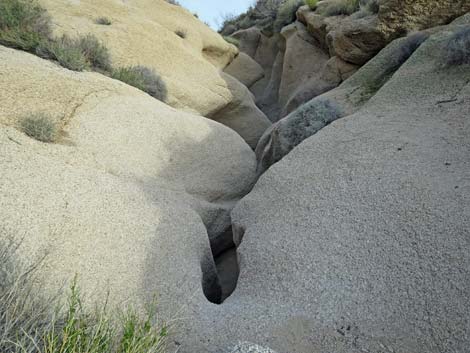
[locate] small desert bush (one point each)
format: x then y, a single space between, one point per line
181 33
311 3
286 14
23 24
457 49
370 6
142 78
232 40
31 323
78 54
103 21
342 7
24 316
40 127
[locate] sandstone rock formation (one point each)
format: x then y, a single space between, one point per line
356 241
352 94
251 121
144 32
245 69
347 41
107 200
347 232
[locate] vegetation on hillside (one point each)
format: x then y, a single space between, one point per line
273 15
458 48
349 7
142 78
268 15
31 323
25 25
40 127
311 3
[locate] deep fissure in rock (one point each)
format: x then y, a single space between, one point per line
218 285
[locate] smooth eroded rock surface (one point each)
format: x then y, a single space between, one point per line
357 240
124 197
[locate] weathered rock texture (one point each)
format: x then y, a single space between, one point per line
318 53
124 196
349 97
357 240
143 32
400 17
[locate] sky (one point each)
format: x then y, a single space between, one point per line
212 11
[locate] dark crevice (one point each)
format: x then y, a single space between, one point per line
220 268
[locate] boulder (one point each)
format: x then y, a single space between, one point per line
290 131
398 18
333 73
269 101
251 121
314 115
130 178
245 69
141 28
319 26
266 53
356 40
357 241
249 40
303 61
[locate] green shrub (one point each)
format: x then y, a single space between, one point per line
30 323
286 14
40 127
24 316
78 54
142 78
96 54
457 50
342 7
103 21
311 3
66 52
232 40
23 24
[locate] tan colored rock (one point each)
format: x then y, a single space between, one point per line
334 72
131 178
269 101
249 40
303 61
245 69
268 48
143 33
356 40
319 26
252 122
400 17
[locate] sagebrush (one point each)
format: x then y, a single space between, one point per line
312 4
342 7
24 24
144 79
32 323
78 54
457 49
232 40
40 127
